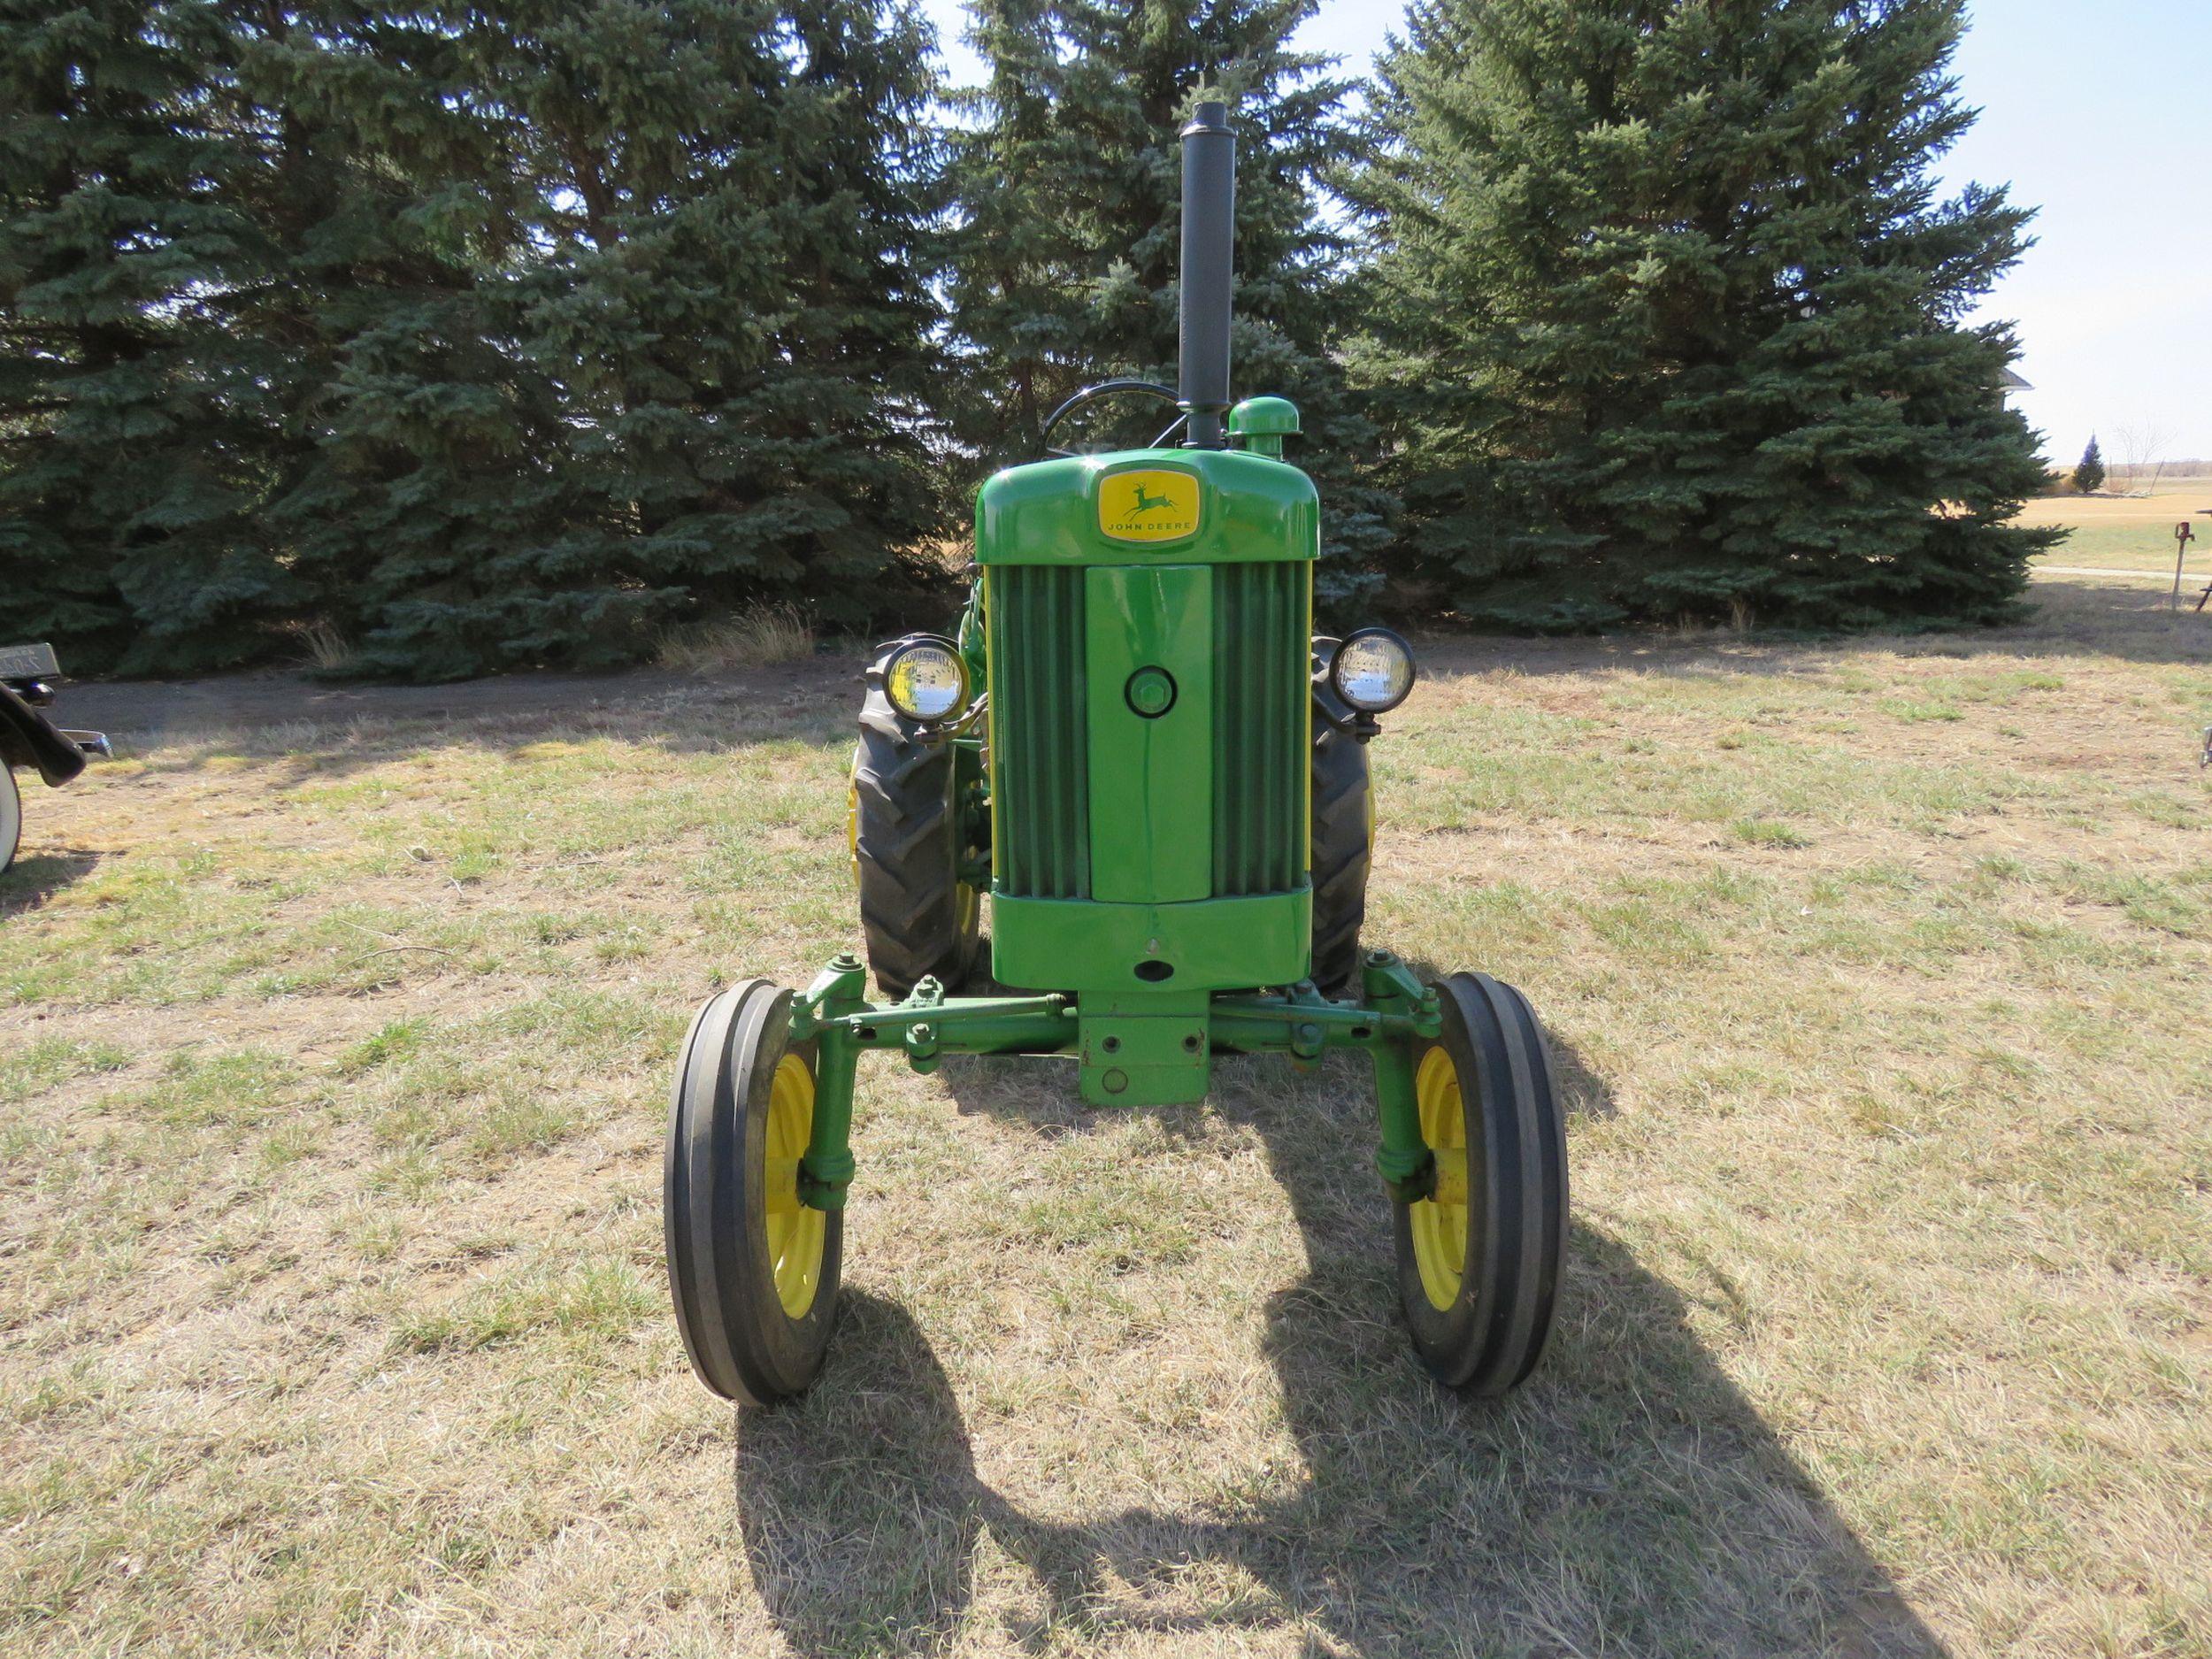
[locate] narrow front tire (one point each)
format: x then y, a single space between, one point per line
1479 1261
753 1272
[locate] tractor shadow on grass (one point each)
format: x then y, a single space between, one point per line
33 880
1628 1500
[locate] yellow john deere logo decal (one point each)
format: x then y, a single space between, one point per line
1148 506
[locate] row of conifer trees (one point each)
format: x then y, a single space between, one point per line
512 333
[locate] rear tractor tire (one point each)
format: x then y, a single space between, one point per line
1479 1263
754 1272
1343 843
918 917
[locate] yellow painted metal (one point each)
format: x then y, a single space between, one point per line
795 1231
852 820
783 1186
1451 1176
1154 505
1439 1223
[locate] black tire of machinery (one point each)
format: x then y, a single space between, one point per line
909 853
1342 847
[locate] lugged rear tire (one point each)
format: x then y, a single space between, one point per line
10 818
1343 847
1479 1277
918 917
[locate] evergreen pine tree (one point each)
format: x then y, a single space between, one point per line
733 197
2089 471
493 334
412 451
1677 313
129 476
1065 262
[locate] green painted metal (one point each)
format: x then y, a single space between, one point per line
1145 1047
1251 511
1263 734
1404 1160
1150 692
1148 1050
1261 423
1151 775
825 1169
1298 1022
1039 734
1147 620
1207 945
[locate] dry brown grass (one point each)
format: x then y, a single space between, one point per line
763 637
322 648
333 1033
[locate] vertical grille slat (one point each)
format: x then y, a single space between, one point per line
1293 763
1260 764
1037 723
1230 842
1276 737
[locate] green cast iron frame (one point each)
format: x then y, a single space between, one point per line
1396 1013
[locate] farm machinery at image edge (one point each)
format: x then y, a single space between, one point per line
32 742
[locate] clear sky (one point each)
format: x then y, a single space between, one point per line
2099 115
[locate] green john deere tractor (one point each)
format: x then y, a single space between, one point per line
1136 745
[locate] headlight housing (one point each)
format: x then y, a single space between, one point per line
926 680
1373 670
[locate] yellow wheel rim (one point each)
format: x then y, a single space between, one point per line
852 822
1439 1223
794 1230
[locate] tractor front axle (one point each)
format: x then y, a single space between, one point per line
1143 1050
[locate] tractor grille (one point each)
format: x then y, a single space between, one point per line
1261 654
1037 689
1260 737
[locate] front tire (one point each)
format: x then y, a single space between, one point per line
1479 1263
10 818
753 1272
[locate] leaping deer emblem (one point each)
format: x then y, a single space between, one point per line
1147 501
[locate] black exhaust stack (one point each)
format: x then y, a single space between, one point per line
1209 200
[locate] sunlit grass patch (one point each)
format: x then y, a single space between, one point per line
47 1061
1768 832
574 1305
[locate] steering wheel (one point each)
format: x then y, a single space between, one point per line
1107 388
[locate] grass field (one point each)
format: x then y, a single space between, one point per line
2133 533
334 1029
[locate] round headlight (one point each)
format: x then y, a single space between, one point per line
1373 670
926 680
